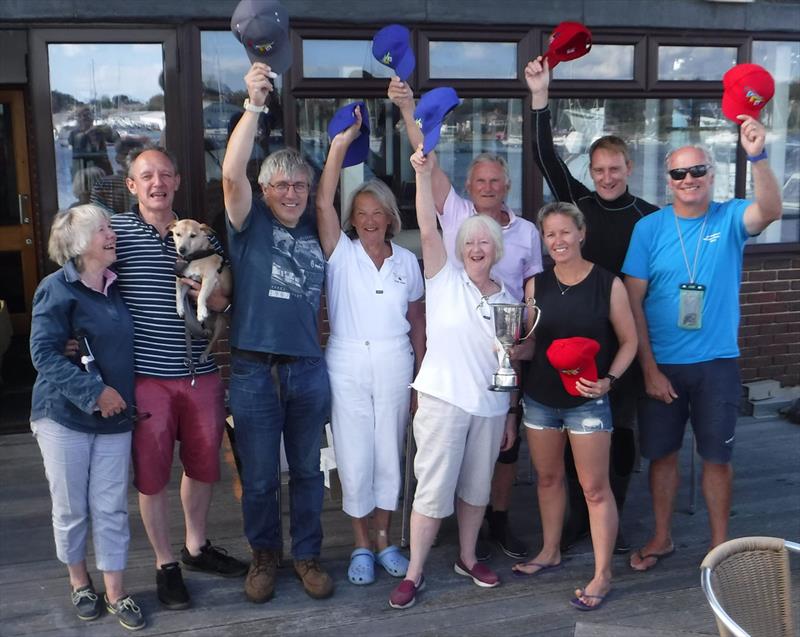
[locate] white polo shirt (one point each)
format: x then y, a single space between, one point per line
365 303
460 357
522 246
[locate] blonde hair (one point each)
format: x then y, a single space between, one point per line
72 232
561 208
387 202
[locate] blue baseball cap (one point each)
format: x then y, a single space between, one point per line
343 119
392 46
431 111
262 26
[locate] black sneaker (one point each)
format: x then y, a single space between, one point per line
483 550
500 532
172 591
127 612
86 602
213 559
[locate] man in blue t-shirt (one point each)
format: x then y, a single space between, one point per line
279 382
683 270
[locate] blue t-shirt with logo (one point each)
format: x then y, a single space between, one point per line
278 273
655 255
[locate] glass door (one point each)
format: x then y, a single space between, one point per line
17 250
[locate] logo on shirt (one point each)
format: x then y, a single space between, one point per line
712 238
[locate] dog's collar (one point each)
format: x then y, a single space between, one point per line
200 254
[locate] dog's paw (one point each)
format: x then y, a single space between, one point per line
203 358
202 314
179 310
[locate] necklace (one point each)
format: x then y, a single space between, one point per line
566 288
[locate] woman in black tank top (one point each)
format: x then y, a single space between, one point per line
577 299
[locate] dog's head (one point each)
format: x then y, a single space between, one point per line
190 236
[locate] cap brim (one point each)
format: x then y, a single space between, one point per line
431 138
358 151
406 65
732 108
279 59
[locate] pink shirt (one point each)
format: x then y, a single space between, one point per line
522 246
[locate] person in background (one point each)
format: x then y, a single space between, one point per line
376 343
82 417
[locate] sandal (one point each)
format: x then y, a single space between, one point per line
362 567
395 563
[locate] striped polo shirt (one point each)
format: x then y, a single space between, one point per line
146 270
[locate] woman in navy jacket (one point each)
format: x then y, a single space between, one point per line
82 410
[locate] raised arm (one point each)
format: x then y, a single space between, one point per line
402 96
560 181
657 385
328 224
767 206
433 254
235 186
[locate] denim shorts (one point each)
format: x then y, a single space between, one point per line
588 418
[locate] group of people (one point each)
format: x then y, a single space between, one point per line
121 377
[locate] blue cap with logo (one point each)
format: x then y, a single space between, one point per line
262 26
392 46
343 119
430 113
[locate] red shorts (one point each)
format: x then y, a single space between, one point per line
193 415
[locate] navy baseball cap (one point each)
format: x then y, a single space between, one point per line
392 46
343 119
262 26
431 111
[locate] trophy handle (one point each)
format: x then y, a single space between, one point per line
533 308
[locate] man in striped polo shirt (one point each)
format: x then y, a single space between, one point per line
185 398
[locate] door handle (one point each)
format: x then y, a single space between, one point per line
23 202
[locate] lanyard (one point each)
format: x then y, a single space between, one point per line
691 272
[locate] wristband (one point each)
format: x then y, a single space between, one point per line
611 380
759 157
253 108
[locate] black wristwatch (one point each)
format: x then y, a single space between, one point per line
611 380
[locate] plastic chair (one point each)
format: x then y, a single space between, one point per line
748 585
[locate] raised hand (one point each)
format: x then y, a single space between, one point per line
537 75
258 83
752 135
400 94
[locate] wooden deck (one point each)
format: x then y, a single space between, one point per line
664 601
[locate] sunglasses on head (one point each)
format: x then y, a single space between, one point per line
679 174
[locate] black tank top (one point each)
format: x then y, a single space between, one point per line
580 310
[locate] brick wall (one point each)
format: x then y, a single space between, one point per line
769 334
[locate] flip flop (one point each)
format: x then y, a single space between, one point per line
362 567
543 568
656 556
579 604
393 561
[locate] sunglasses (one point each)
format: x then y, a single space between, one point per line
679 174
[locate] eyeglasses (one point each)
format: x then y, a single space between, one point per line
679 174
282 187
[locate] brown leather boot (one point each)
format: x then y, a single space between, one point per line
259 585
317 583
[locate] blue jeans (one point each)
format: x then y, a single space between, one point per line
261 414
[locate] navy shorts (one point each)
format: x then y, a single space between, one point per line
708 393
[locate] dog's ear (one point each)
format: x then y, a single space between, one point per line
207 229
171 226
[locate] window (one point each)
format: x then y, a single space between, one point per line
694 63
473 60
604 62
341 59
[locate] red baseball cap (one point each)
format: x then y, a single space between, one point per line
746 89
568 41
573 358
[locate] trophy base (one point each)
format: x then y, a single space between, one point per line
502 382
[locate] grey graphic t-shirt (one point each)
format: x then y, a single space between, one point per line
278 274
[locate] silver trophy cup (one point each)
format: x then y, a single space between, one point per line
507 319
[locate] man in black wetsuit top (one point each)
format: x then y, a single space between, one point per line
611 212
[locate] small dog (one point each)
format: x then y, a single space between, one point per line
199 261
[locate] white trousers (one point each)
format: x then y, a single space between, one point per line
88 478
370 402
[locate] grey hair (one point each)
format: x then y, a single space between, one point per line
709 158
468 228
387 201
561 208
133 155
72 232
489 158
287 161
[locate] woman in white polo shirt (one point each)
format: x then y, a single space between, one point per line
376 315
460 425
